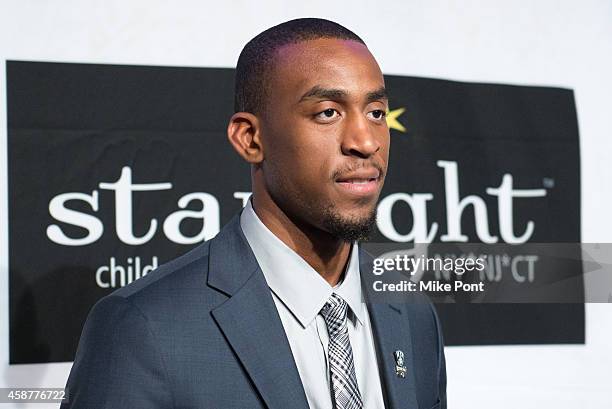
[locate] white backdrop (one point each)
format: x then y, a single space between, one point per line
557 43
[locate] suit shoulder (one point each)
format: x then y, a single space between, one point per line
169 282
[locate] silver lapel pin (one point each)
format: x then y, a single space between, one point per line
400 368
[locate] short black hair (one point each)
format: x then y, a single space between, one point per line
257 57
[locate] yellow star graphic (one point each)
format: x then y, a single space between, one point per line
392 121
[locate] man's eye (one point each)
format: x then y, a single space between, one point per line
328 114
378 114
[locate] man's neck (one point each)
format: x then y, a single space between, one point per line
326 254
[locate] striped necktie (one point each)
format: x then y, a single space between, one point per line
340 355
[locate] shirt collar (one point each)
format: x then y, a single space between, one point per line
292 279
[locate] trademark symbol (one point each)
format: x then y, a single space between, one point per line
548 182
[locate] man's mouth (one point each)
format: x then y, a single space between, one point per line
361 182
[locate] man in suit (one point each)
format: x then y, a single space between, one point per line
274 311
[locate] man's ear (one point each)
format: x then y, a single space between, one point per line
243 132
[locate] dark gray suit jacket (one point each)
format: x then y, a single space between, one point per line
203 332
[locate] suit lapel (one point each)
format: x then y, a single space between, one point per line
250 322
391 330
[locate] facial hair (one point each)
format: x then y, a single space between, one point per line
349 229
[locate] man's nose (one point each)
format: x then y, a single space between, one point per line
359 138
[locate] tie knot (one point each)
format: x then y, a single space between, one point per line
334 311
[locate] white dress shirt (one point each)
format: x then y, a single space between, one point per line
299 293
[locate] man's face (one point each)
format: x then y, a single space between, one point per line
324 134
